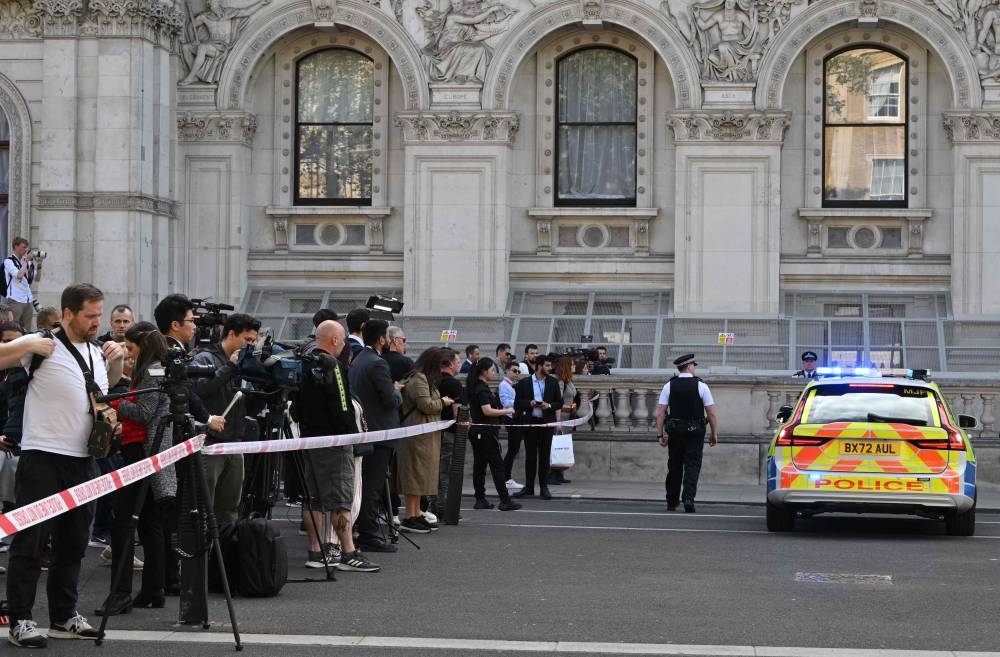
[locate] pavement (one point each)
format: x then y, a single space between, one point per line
653 491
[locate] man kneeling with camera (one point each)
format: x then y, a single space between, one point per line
324 408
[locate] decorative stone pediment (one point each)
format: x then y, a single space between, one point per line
485 127
219 127
729 126
974 127
153 20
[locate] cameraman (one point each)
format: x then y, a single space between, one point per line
324 408
175 319
225 473
601 365
19 274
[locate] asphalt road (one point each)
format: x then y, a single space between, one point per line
591 573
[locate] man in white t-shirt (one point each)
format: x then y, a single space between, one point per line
19 274
54 457
684 404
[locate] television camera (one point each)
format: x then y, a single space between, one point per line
209 318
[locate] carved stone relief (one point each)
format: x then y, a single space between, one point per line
729 126
19 20
458 37
226 127
729 37
154 20
488 127
972 127
210 35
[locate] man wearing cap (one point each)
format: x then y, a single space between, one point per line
808 370
684 403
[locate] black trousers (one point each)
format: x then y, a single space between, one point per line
153 534
683 466
373 473
40 474
513 447
537 450
486 452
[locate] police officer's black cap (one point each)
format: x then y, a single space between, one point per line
809 355
686 359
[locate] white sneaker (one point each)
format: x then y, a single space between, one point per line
105 559
430 517
513 484
26 635
395 521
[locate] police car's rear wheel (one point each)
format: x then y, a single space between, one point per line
961 524
780 520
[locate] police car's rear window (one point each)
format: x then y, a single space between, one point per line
853 402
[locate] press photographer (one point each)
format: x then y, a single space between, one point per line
225 473
20 270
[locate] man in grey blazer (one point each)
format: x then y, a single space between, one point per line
371 382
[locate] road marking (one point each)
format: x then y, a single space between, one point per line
663 514
676 529
409 643
842 578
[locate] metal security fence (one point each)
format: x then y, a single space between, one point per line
640 331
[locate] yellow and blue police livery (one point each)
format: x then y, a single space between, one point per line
859 442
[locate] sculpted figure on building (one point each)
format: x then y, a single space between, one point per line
458 36
210 36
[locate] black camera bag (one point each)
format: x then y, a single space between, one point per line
262 565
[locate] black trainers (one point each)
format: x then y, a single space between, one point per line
415 525
482 503
76 627
689 507
25 634
508 505
357 562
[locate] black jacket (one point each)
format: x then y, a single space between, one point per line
399 365
371 383
218 391
524 393
195 405
322 407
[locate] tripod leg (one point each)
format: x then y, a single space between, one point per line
213 532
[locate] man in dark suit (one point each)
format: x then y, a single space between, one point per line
449 387
371 382
355 320
536 400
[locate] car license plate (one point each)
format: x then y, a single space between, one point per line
869 448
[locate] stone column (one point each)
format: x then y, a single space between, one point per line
456 167
727 210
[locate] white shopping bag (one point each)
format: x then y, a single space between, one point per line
561 455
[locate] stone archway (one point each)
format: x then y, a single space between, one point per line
15 108
269 25
651 25
936 31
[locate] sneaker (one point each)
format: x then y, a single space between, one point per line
76 627
433 526
315 560
26 635
430 517
105 558
97 541
4 547
395 521
482 503
415 525
509 505
513 484
333 553
357 562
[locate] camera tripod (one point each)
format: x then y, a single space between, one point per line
196 516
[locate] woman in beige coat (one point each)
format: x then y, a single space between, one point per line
419 456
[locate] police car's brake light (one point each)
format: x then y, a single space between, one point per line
798 441
955 440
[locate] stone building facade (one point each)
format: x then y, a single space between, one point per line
790 174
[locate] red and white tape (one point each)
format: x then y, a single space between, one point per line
67 500
316 442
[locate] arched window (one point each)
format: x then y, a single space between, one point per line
334 126
596 128
4 180
864 129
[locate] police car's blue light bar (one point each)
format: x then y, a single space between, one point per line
848 371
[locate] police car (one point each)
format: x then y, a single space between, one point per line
860 442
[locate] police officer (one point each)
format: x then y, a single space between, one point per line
808 370
684 403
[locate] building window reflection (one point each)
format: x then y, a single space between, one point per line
864 129
334 128
596 128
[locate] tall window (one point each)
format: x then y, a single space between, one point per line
864 129
596 128
334 127
4 179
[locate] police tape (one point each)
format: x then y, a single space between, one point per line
317 442
47 508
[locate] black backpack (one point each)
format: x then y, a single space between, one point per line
5 281
262 567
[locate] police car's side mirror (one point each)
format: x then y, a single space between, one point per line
784 413
968 421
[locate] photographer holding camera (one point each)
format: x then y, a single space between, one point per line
225 473
59 424
19 274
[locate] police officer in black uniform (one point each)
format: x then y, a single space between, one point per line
808 370
684 404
